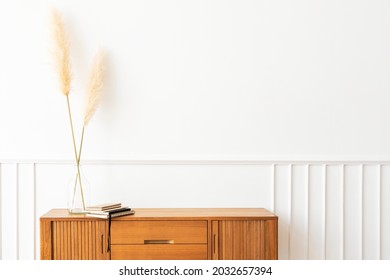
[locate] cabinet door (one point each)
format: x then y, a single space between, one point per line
74 240
244 239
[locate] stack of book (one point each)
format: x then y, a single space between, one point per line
108 210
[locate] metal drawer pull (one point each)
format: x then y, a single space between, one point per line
159 241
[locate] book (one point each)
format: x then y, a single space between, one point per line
107 215
122 213
109 211
124 208
102 216
103 207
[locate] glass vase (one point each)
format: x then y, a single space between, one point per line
78 191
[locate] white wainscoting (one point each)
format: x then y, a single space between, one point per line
326 209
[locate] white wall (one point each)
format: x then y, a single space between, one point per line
194 82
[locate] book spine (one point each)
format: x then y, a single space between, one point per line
118 210
123 213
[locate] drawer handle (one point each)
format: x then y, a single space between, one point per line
159 241
101 242
214 244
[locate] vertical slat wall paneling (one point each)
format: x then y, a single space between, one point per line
371 213
379 206
298 221
1 214
26 236
307 209
9 211
264 183
334 211
272 208
36 219
325 203
316 201
282 207
353 212
385 210
327 210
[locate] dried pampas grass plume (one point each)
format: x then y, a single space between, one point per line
61 52
94 92
95 86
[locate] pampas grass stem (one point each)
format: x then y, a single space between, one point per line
78 175
63 69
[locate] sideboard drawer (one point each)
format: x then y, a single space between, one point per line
157 232
159 252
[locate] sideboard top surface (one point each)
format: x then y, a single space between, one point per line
175 214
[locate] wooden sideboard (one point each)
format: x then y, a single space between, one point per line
165 233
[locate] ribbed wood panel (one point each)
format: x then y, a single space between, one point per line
78 240
237 240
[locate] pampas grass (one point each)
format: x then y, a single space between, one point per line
61 57
94 92
61 52
63 68
62 63
95 86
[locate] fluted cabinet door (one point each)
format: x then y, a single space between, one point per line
74 240
245 239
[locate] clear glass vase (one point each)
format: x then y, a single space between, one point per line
78 191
